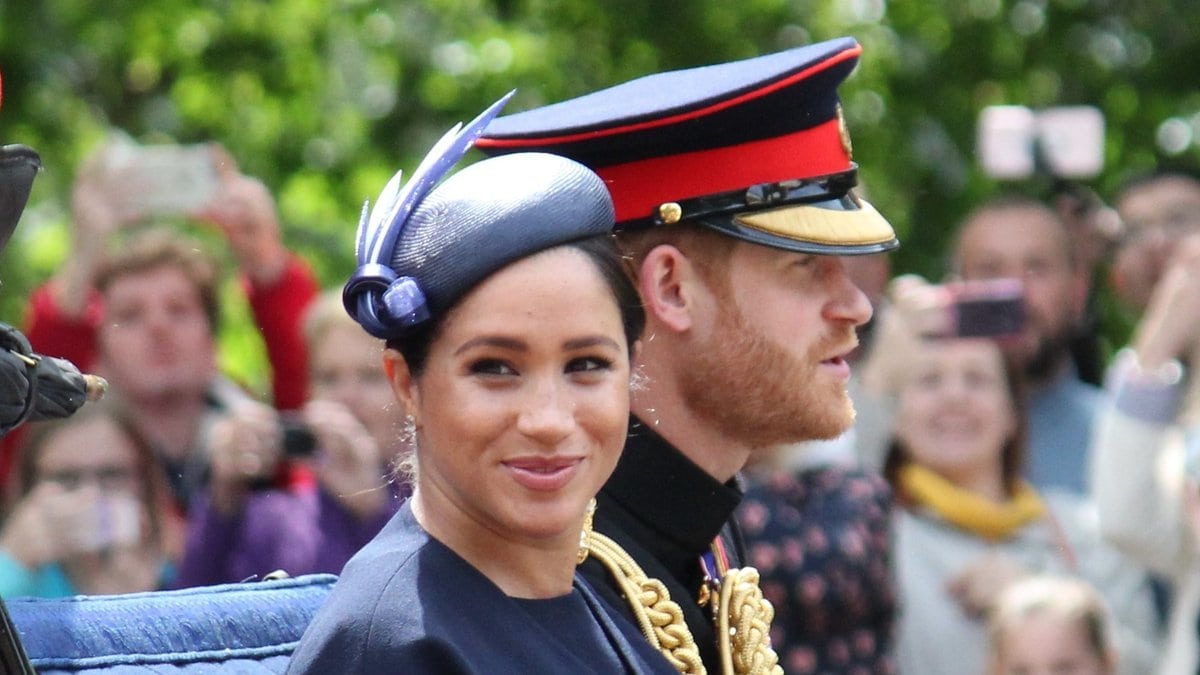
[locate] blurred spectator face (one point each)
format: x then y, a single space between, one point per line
97 488
1043 643
97 501
1156 215
155 340
92 452
955 413
347 366
1029 243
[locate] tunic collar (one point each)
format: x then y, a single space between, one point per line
676 501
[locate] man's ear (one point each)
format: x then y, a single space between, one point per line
404 385
670 287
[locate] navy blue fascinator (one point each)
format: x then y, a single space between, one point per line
424 244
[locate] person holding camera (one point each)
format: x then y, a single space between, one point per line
1147 442
252 520
140 306
1018 243
1021 238
967 522
94 522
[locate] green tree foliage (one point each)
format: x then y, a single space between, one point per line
323 99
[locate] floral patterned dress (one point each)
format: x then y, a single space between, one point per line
820 540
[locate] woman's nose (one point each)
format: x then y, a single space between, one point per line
547 414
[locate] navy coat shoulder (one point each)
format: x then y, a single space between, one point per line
407 603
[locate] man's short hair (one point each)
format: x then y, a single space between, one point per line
1005 203
707 249
158 248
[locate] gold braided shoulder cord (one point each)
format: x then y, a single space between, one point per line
745 645
658 616
744 625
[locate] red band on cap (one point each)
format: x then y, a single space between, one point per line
638 188
542 141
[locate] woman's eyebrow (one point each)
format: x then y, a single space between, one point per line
501 341
591 341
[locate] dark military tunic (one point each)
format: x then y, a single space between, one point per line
408 604
665 511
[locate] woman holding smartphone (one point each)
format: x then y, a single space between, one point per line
509 326
968 525
91 512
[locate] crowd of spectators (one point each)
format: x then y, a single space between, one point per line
976 465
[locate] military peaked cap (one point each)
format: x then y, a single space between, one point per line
757 149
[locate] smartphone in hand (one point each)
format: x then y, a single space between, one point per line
114 522
160 180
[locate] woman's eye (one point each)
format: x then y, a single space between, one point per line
491 367
588 364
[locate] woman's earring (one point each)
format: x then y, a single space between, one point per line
638 379
408 433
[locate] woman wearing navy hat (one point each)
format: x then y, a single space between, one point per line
510 326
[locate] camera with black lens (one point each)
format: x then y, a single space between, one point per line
298 438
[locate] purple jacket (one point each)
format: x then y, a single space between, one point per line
301 530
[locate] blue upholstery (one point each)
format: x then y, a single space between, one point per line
233 628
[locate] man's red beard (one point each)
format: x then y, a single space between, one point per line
760 393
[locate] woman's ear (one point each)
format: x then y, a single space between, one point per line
668 283
404 385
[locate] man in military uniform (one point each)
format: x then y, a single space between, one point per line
732 186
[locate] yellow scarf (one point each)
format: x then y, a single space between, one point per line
969 511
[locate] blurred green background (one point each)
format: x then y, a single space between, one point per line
324 99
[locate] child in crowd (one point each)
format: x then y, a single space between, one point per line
1050 625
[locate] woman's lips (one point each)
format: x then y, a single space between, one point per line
543 473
